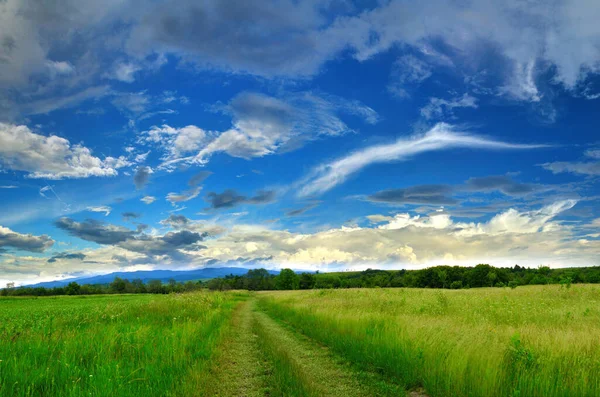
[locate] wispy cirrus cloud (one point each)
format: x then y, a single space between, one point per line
441 137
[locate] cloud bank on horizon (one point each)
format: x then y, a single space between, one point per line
312 135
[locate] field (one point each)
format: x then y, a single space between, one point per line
530 341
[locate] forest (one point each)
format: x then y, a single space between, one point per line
446 277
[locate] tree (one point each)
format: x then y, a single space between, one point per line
118 285
307 281
492 277
257 279
443 276
287 279
72 288
155 287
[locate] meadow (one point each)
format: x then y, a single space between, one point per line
528 341
118 345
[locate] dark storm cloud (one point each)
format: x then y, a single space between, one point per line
66 255
230 198
141 177
422 194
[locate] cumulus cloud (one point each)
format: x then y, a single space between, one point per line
262 125
50 157
230 198
25 242
406 239
101 208
176 142
441 137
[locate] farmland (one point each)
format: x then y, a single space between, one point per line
534 340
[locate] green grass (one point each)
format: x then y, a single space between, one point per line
128 345
532 341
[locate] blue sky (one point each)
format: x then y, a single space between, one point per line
314 135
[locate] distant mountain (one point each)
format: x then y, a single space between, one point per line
147 275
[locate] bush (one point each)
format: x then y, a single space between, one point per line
513 284
456 284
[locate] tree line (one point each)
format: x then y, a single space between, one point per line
117 286
450 277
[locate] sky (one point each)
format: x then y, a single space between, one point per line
316 135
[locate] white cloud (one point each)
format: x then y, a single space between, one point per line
148 199
513 221
593 153
441 137
523 35
177 142
407 70
407 240
439 108
522 86
575 167
101 208
175 198
132 102
379 218
45 106
60 68
125 72
50 157
262 125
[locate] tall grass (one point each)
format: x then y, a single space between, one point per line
129 345
532 341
